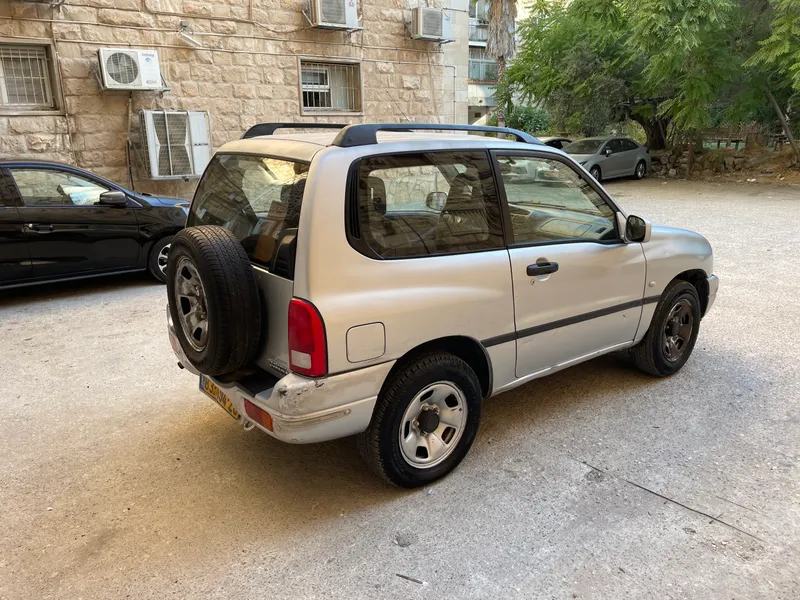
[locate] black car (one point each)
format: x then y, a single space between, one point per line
59 222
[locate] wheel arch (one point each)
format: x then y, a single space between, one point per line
468 349
699 279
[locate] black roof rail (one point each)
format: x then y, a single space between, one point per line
270 128
364 134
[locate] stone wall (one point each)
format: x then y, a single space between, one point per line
247 72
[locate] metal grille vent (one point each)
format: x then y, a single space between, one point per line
333 11
432 23
122 68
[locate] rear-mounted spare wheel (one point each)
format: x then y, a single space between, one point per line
213 299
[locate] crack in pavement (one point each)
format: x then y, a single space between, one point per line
689 508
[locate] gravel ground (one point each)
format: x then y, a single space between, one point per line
121 480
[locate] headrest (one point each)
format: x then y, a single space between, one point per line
376 195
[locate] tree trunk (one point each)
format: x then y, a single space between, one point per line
655 130
786 129
501 110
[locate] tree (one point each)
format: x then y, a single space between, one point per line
681 64
575 57
779 55
501 41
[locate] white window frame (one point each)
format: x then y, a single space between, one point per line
53 81
319 64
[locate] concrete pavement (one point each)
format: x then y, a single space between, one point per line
119 479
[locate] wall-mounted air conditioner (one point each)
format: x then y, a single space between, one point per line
126 69
175 144
334 14
433 24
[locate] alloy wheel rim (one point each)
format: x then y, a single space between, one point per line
163 259
677 330
640 170
190 299
432 425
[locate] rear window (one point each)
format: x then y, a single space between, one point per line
258 198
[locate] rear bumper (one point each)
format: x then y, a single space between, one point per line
305 410
713 286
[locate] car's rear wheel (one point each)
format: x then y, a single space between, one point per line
595 172
641 170
213 299
673 331
159 257
425 421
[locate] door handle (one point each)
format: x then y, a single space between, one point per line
544 268
40 228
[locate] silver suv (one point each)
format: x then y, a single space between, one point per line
383 281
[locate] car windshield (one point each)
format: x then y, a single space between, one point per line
583 147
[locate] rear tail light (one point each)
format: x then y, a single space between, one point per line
308 354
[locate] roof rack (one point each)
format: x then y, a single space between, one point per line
270 128
365 134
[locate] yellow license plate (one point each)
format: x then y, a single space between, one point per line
211 389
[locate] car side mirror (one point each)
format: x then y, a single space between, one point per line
637 229
436 201
607 151
113 198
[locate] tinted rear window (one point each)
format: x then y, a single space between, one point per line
258 198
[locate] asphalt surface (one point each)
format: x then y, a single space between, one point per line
119 479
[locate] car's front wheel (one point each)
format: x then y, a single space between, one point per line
595 172
425 421
673 331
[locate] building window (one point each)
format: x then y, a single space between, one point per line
27 81
330 87
481 67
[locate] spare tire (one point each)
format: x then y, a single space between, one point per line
213 299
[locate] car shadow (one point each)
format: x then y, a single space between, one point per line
65 290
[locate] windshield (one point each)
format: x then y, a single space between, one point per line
584 147
257 198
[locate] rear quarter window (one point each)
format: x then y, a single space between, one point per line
258 199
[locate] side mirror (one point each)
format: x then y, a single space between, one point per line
436 201
637 229
607 151
113 198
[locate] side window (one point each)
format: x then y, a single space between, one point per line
41 187
628 145
616 146
429 203
549 202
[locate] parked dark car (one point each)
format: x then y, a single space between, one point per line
59 222
555 142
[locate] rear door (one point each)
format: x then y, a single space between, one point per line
630 154
15 262
578 288
69 231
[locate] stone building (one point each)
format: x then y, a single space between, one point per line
241 61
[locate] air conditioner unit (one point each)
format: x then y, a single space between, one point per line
433 24
176 144
126 69
334 14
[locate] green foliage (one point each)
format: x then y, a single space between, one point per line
780 51
532 119
690 64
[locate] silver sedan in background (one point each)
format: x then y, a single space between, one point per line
609 157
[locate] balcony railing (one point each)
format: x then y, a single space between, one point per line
478 30
484 71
